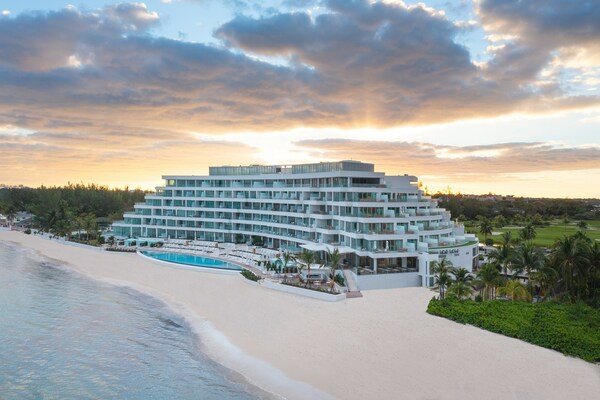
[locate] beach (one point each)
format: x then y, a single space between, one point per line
381 346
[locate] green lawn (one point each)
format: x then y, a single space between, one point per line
545 235
572 329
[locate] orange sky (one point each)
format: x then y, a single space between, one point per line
474 97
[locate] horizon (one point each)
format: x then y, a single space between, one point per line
153 189
480 96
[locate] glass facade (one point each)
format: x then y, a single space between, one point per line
294 169
373 216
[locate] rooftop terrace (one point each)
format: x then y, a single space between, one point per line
346 165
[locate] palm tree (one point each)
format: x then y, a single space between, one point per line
565 221
11 215
287 259
78 223
506 239
485 227
461 275
503 256
460 290
569 258
515 290
528 233
582 225
441 269
307 257
499 221
594 279
545 276
527 258
460 287
490 278
90 225
335 258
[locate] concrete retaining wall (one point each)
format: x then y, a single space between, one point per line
303 292
388 281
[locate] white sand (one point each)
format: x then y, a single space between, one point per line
381 346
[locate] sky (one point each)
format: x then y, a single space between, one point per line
471 96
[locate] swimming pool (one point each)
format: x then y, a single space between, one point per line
195 261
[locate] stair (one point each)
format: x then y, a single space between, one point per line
353 290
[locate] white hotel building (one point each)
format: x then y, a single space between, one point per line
387 229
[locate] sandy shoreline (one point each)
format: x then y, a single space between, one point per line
381 346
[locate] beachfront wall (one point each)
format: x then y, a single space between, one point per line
388 281
382 224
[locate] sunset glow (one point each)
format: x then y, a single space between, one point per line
473 96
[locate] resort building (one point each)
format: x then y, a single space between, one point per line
386 228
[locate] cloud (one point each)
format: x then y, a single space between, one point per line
480 162
541 32
550 23
40 157
101 80
355 64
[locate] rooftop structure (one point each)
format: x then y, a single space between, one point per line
387 229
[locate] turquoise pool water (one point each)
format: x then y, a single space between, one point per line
188 259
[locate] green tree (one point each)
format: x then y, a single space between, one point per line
499 221
78 225
490 278
308 258
461 275
582 225
528 258
515 290
441 271
528 232
485 227
569 258
90 225
503 255
545 276
460 290
11 215
334 258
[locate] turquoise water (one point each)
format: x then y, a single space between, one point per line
64 336
188 259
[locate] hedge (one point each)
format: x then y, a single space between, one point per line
572 329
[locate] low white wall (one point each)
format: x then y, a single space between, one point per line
303 292
388 281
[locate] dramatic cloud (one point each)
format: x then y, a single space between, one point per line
541 33
355 64
382 64
485 161
101 83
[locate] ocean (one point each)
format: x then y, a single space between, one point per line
65 336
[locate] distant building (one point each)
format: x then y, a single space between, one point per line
384 225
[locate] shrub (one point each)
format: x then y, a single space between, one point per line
250 275
489 242
573 329
27 231
121 249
